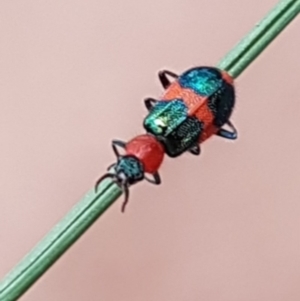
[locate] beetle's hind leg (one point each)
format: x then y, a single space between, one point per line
164 79
232 135
195 150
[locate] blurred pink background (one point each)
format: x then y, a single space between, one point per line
224 226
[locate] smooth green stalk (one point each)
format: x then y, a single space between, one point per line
86 212
245 52
58 240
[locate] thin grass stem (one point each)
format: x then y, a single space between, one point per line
87 211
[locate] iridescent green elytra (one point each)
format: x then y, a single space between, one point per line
194 107
169 122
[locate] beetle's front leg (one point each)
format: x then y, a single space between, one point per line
116 143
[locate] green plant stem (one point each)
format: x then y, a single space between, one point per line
245 52
86 212
58 240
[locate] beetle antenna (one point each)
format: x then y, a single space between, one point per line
108 175
126 192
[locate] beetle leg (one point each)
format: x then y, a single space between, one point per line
116 143
149 103
232 135
164 79
195 150
156 179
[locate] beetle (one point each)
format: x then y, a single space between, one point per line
143 154
194 106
